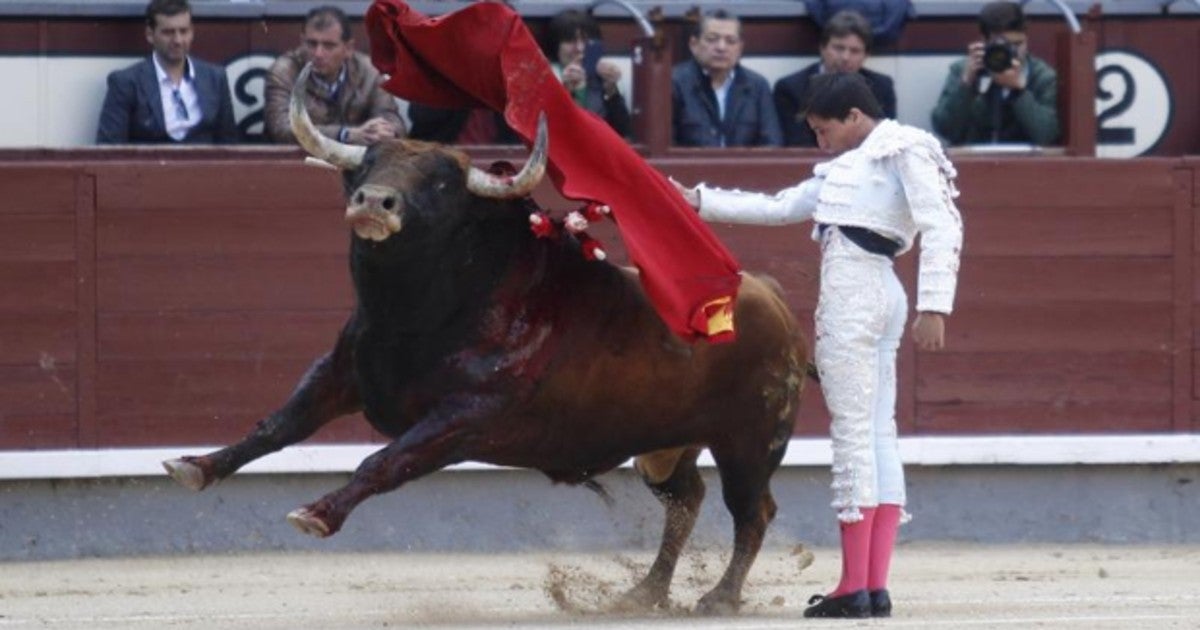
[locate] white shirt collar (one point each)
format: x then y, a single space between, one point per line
332 87
724 87
189 70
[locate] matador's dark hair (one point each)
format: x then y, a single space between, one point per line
833 94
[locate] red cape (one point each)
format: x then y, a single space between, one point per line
484 56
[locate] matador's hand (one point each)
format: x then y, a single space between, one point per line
689 194
929 331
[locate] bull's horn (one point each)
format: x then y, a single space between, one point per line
343 156
485 184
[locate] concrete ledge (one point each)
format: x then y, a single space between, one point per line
520 510
1139 449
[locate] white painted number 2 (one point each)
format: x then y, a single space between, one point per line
1133 104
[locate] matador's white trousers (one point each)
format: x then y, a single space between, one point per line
860 317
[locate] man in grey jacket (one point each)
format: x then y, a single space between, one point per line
715 101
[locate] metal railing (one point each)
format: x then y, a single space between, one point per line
1068 14
638 16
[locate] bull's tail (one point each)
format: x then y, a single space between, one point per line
810 368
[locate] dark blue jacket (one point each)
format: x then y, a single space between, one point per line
750 118
133 111
791 96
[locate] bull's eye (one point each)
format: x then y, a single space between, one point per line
389 203
358 198
441 186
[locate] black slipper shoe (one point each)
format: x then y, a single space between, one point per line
856 605
881 603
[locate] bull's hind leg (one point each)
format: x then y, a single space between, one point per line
744 484
673 478
327 391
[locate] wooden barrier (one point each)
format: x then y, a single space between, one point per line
157 297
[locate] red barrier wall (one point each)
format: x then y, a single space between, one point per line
172 297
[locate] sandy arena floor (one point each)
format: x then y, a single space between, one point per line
934 586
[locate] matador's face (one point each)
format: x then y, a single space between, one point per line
838 136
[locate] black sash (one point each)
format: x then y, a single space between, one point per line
869 240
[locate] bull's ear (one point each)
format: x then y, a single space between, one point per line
352 178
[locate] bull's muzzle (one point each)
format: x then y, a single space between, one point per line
374 212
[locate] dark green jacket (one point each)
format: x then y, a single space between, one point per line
963 115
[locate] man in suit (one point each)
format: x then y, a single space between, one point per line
844 46
169 97
715 101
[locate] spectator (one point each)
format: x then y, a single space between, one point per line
169 97
999 92
570 34
459 126
715 101
844 46
344 95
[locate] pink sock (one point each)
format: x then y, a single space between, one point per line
883 540
856 553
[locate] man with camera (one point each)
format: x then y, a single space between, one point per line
999 93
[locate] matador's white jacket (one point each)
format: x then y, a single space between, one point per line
898 182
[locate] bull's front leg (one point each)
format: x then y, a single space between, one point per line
326 391
437 440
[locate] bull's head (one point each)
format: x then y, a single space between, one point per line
375 208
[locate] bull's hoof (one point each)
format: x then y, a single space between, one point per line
717 603
639 599
186 473
307 522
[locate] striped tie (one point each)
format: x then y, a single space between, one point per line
181 110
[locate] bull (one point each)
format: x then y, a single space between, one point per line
473 340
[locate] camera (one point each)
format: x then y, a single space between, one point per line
998 55
592 51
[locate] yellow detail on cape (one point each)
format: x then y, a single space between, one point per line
720 315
